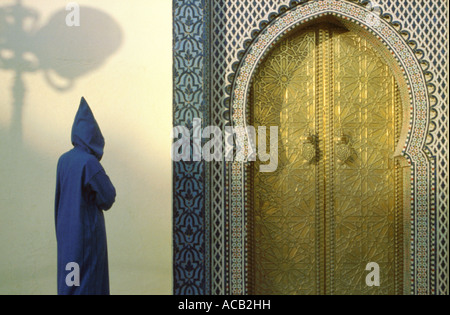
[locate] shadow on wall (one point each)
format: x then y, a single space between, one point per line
25 47
63 54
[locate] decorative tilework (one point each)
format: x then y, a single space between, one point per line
429 24
189 177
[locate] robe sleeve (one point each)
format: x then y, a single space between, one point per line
57 193
105 193
57 196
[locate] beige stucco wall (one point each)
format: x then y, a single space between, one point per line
120 59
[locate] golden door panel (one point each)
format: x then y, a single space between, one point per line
285 224
334 203
364 187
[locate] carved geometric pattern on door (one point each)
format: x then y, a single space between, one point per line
316 224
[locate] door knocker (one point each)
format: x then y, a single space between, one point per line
309 148
343 148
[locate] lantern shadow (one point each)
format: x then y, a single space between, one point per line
63 53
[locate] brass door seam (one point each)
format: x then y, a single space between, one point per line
321 170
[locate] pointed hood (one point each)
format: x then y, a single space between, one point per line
86 132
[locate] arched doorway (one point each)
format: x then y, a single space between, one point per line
335 203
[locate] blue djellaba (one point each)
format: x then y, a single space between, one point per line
83 193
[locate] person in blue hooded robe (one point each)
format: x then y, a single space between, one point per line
83 192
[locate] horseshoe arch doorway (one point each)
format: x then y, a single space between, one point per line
336 202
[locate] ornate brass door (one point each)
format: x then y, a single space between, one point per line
334 204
